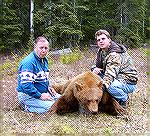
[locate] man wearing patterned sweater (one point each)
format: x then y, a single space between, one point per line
34 91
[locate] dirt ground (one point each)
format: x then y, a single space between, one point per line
15 121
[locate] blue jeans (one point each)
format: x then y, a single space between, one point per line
119 89
31 104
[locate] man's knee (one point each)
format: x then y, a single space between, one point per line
116 85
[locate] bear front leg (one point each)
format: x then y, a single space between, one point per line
54 108
106 104
118 108
60 106
59 88
109 105
64 105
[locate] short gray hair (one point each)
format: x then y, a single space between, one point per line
101 31
40 39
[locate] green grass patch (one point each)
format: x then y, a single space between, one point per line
9 67
50 62
72 57
145 51
148 73
148 52
64 130
107 131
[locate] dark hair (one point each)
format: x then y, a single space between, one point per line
99 32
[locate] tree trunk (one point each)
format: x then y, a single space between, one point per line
31 16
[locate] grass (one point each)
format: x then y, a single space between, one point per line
145 51
107 131
8 68
16 121
69 124
72 57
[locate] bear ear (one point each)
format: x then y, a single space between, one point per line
100 85
78 86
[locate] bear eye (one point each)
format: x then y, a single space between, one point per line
88 101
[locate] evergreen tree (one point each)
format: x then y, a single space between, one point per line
10 26
58 22
14 25
73 22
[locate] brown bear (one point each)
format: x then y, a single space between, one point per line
84 93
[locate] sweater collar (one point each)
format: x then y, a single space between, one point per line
38 58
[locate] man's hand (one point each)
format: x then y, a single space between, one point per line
97 70
45 96
52 91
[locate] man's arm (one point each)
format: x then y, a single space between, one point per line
113 64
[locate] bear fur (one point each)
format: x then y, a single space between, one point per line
84 93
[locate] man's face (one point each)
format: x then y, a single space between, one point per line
103 41
42 48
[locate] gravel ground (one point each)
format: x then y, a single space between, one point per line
15 121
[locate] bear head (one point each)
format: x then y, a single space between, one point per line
88 97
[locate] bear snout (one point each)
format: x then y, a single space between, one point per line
93 107
90 108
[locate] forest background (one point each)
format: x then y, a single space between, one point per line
71 23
